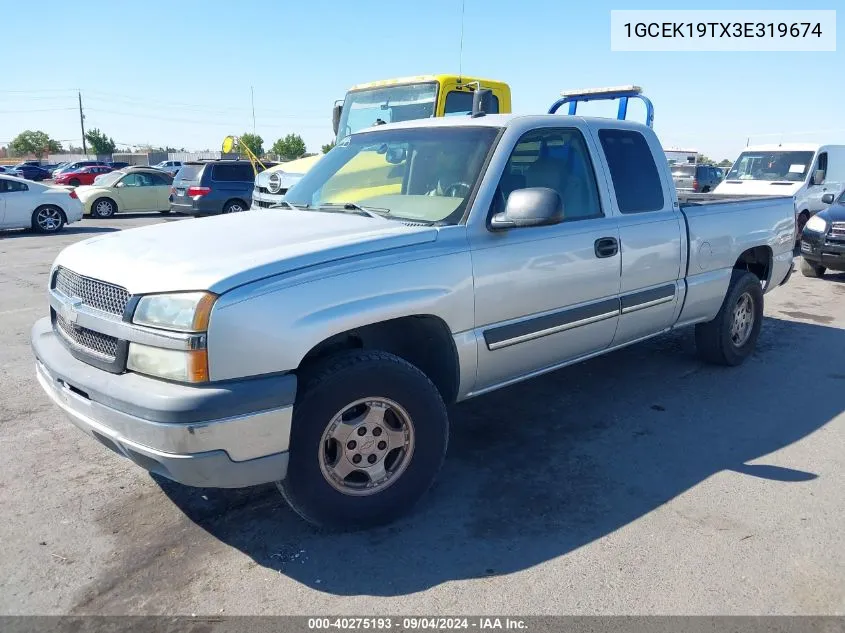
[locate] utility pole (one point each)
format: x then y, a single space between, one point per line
82 124
252 96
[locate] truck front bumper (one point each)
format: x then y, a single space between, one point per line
220 435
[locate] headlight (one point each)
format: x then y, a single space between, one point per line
170 364
185 312
816 224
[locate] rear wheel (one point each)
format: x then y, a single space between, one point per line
730 338
808 269
103 208
369 435
48 219
235 206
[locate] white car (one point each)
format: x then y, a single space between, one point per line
26 204
170 166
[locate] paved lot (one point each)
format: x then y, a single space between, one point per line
642 482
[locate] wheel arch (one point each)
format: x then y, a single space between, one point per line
758 260
424 340
245 204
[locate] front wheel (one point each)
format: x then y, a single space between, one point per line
368 438
808 269
75 182
730 338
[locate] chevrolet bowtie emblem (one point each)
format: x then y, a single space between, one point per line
69 310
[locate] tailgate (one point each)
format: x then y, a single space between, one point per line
188 176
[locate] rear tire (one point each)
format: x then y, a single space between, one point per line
344 406
730 338
103 208
48 219
235 206
811 270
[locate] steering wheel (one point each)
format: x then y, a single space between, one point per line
454 190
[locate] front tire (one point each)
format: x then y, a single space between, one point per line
730 338
48 219
809 269
368 438
74 183
103 208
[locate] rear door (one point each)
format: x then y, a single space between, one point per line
651 233
232 180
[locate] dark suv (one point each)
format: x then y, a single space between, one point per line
695 178
213 187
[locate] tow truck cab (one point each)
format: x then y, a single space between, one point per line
388 101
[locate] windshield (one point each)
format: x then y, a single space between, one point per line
362 108
789 166
107 180
418 174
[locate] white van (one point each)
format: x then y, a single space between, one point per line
805 171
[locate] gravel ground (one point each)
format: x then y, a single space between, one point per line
643 482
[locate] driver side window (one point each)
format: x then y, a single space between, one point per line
556 159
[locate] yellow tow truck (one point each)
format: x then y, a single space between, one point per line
389 101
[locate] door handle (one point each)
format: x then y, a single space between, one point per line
606 247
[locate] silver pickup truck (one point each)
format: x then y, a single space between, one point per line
416 265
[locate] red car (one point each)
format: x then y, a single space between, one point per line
82 176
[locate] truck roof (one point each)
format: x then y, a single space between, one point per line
465 79
783 147
506 120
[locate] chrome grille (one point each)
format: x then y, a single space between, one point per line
89 340
837 230
93 293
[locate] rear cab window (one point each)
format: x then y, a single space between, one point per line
633 172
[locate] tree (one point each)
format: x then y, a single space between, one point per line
290 147
34 142
328 147
99 142
726 163
254 142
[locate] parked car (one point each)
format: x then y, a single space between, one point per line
695 178
7 170
82 176
213 187
317 345
170 166
127 190
78 165
54 168
823 238
32 205
117 164
31 172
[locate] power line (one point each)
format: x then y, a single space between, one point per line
35 110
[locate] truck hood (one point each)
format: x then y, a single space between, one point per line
222 252
758 187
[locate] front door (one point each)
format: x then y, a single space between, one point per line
15 204
546 295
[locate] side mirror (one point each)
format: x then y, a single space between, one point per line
120 184
827 198
537 206
482 99
336 112
818 177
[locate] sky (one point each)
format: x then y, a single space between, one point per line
182 73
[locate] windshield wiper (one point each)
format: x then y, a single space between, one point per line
289 205
343 207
